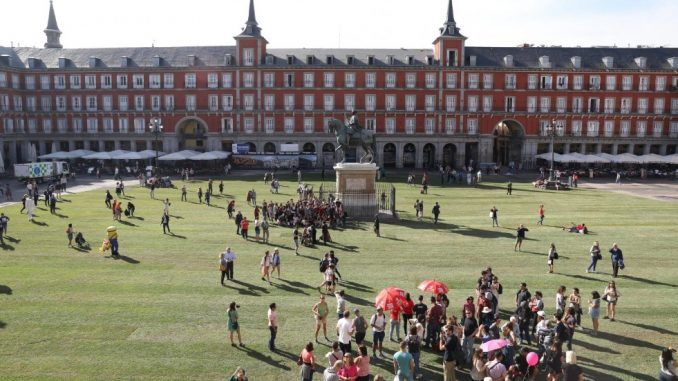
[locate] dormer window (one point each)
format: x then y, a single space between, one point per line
34 63
429 60
290 60
63 62
544 62
270 60
472 60
576 62
641 62
191 60
228 59
157 61
409 60
329 60
508 61
310 60
673 62
390 60
608 62
370 60
350 60
93 62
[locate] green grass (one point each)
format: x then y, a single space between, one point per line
80 316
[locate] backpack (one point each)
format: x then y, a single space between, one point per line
500 290
324 265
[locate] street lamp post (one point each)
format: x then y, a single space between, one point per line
552 131
156 130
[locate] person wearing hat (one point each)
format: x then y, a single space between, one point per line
486 316
572 371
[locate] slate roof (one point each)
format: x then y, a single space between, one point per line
206 56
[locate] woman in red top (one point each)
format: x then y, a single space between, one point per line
348 371
307 361
407 305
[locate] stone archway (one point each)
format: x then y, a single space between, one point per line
429 159
192 134
328 155
509 136
409 155
449 155
269 147
253 147
308 147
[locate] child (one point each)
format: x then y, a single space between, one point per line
69 234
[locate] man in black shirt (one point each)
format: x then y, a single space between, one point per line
470 330
520 236
420 308
449 342
524 313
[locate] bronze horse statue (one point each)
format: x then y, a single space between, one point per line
364 139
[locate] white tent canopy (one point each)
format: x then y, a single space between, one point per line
59 155
78 153
212 155
181 155
113 155
143 155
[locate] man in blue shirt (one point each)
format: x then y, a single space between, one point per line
403 363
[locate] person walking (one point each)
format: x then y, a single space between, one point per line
199 195
272 325
344 332
403 363
378 324
152 191
4 222
594 254
494 216
436 212
359 328
416 210
376 225
264 265
296 237
183 193
611 296
540 213
69 234
165 223
264 231
208 196
617 259
238 220
320 311
112 234
233 323
108 199
594 311
552 256
307 362
275 261
520 236
244 227
509 188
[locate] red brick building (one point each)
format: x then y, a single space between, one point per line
451 104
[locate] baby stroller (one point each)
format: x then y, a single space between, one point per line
80 241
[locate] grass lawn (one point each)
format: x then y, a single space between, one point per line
160 313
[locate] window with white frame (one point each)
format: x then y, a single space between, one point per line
611 82
309 125
8 125
546 82
370 80
410 102
123 125
625 128
138 81
451 80
248 102
673 131
625 105
627 82
191 104
576 127
16 83
62 125
31 103
371 124
92 125
532 82
226 125
509 104
169 102
592 128
107 101
227 102
641 128
47 126
328 100
60 82
430 80
561 105
510 81
248 57
473 79
643 83
269 80
594 82
594 105
269 125
155 102
451 103
212 102
472 103
3 79
561 82
674 106
77 125
659 106
75 81
472 126
20 125
30 82
4 102
390 102
76 103
488 80
349 80
450 126
108 125
289 80
18 104
32 125
660 83
657 129
139 102
642 105
90 81
309 102
91 103
389 126
578 82
609 105
390 80
44 82
409 126
545 104
46 103
189 81
370 102
248 125
269 102
429 126
289 102
609 128
139 125
411 80
289 125
227 80
544 126
328 79
154 81
349 102
212 80
430 103
309 80
487 103
60 103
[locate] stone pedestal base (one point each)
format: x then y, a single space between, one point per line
356 189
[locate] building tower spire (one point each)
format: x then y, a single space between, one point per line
52 31
251 26
450 26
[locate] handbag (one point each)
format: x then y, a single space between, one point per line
222 267
621 264
599 256
555 255
300 361
490 214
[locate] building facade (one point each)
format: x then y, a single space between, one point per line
451 105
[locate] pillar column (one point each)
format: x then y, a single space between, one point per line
399 155
646 149
116 144
461 154
419 155
566 148
85 144
380 154
12 151
662 149
582 148
599 148
71 145
615 148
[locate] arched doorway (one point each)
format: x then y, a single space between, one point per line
328 155
429 156
269 148
253 147
389 155
508 142
449 155
409 155
192 134
308 147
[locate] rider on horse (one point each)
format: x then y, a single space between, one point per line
354 126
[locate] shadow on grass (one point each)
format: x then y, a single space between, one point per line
356 286
12 239
287 288
339 246
84 249
393 238
458 229
127 259
250 286
648 281
267 359
139 218
600 371
177 235
39 223
647 327
630 341
594 347
358 301
2 324
5 289
127 223
6 246
60 215
584 277
297 284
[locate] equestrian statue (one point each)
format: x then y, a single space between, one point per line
352 134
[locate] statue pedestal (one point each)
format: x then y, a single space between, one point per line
356 189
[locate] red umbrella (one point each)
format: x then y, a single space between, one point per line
390 298
433 286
